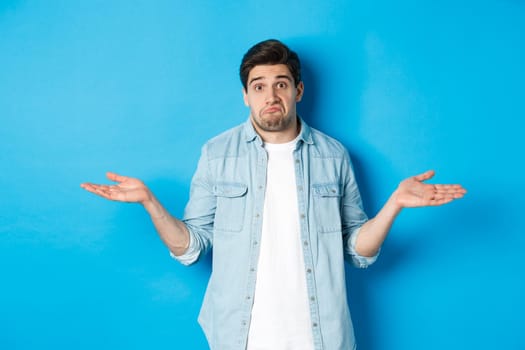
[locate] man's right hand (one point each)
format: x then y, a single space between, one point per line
127 189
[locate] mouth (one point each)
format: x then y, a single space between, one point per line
273 109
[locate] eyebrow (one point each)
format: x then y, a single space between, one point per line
282 76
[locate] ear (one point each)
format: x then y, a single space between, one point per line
245 97
300 91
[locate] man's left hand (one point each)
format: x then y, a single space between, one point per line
412 192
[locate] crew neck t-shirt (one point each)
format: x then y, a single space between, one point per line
280 314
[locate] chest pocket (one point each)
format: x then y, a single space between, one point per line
231 206
327 206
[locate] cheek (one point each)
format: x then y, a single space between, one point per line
255 104
289 100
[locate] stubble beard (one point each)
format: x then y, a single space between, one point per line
273 123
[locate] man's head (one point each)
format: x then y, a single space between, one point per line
271 77
270 52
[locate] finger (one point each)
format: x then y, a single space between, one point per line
450 189
88 186
116 177
452 194
425 176
100 190
440 199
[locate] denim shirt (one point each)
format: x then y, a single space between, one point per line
225 211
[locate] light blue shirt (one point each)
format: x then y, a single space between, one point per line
225 211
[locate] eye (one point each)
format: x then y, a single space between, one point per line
258 87
282 85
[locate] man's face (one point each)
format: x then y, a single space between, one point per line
272 95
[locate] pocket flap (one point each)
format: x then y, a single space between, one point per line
230 189
327 190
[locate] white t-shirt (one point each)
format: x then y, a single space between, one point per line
280 314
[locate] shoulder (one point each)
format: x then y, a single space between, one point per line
227 143
327 146
225 136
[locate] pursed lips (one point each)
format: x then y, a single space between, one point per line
272 109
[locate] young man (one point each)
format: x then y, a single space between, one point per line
279 202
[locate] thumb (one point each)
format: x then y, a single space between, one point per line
425 176
115 177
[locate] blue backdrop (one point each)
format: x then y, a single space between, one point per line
137 87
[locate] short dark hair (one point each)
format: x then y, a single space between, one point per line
270 52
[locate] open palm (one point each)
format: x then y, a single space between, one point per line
127 189
412 192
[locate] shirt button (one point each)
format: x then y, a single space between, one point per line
315 324
260 187
300 188
309 270
252 270
303 216
248 297
297 161
257 215
305 243
255 242
243 323
312 298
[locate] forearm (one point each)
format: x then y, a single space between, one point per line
374 232
172 231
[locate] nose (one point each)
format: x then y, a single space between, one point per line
272 96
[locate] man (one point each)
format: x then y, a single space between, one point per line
279 202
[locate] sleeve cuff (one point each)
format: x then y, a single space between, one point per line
190 255
359 260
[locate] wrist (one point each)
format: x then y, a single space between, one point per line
150 203
395 203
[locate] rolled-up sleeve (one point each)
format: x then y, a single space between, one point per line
191 254
199 213
357 259
353 217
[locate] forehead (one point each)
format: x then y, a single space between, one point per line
270 71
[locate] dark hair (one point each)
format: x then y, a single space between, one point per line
270 52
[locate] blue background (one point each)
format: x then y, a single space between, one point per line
137 87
